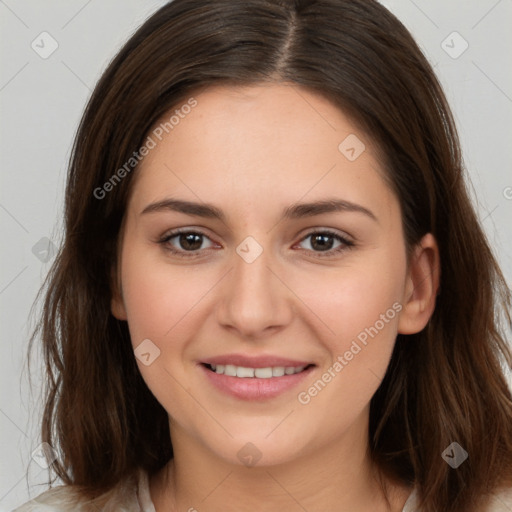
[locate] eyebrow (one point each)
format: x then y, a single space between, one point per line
296 211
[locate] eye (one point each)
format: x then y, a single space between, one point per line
323 241
187 241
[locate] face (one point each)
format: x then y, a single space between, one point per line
263 321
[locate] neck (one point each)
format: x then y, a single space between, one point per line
338 477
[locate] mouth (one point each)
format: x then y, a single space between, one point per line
258 380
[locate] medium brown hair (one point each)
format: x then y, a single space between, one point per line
442 385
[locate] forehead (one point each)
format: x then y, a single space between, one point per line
259 145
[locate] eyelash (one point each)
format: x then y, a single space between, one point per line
346 244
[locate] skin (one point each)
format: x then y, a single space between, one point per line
251 152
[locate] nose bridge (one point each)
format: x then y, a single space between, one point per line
253 298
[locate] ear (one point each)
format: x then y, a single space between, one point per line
421 287
116 302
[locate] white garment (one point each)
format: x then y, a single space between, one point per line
499 502
132 496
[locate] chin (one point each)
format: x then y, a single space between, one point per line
259 446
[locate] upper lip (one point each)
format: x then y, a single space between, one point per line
254 361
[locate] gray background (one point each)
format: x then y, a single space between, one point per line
42 99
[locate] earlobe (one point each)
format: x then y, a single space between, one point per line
117 307
422 284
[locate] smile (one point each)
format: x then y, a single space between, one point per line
262 381
257 373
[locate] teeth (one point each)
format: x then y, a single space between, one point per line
259 373
244 372
278 371
263 373
230 370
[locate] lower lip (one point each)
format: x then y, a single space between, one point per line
251 388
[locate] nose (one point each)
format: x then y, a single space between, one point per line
255 300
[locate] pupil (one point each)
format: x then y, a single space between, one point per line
322 245
187 241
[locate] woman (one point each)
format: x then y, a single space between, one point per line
274 292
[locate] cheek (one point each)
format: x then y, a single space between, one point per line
352 298
361 305
158 296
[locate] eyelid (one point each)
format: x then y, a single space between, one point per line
330 231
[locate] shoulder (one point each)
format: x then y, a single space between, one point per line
57 499
498 501
65 498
